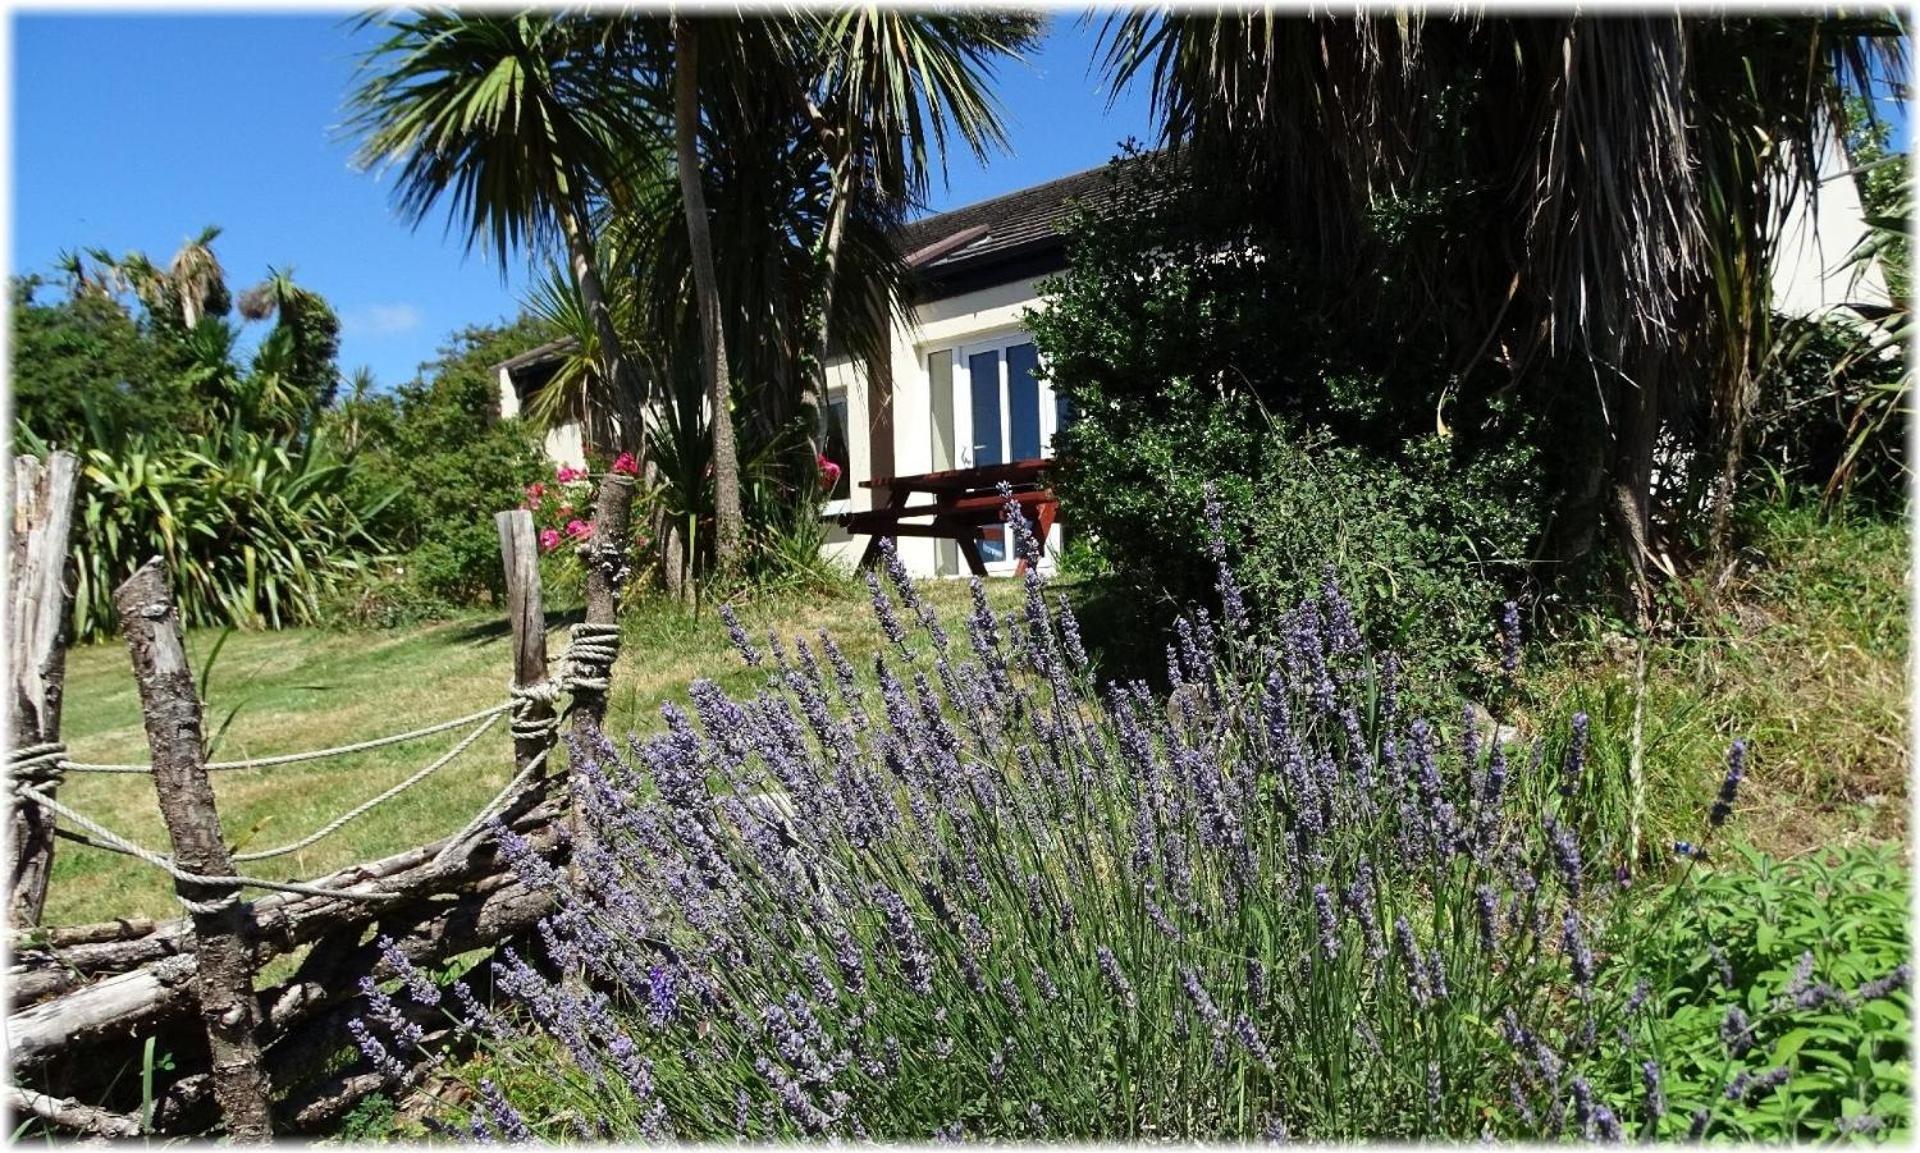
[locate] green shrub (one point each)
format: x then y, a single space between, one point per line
1816 402
1190 354
1796 947
1428 547
439 444
254 532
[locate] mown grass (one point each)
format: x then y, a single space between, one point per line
307 688
1808 660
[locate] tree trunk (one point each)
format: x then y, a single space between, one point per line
224 981
729 529
615 372
814 392
1631 496
43 497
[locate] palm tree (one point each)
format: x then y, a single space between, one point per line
729 525
519 120
199 283
886 88
1630 172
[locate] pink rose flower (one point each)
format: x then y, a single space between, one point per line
829 472
549 539
579 528
625 465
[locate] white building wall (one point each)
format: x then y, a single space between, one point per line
1811 274
938 324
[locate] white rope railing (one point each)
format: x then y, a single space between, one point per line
586 664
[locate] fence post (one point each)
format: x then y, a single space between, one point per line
520 556
223 979
606 555
43 498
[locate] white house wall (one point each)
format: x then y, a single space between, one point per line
1811 274
938 324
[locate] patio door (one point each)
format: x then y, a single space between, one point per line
1002 412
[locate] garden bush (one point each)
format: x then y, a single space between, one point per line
1191 355
1799 965
1816 404
976 895
439 444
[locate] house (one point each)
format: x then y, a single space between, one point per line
959 387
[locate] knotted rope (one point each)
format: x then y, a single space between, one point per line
588 660
44 763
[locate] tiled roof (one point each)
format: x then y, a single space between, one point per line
1004 226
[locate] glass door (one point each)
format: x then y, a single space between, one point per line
1003 412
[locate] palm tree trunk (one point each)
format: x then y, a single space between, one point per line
814 391
729 531
613 363
1631 498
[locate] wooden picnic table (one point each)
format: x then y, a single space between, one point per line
966 508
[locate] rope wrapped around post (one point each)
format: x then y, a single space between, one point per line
41 764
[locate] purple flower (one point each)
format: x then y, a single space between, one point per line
742 643
1730 785
505 1118
1656 1097
1202 1001
1566 854
1249 1037
1735 1031
1881 986
1576 758
1574 944
1329 926
1510 638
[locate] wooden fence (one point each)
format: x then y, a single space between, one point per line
87 998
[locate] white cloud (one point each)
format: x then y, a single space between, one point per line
381 320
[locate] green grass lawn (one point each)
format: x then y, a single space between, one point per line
308 688
1808 660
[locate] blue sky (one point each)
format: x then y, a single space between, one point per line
134 131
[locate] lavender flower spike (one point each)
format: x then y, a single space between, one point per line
1730 787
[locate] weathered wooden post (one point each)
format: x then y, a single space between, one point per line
43 496
533 718
606 556
223 979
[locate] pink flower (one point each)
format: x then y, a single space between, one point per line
625 465
578 528
549 539
829 472
567 475
536 490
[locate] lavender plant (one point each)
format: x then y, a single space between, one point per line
977 894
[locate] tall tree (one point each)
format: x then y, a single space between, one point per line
514 118
729 526
885 88
1626 175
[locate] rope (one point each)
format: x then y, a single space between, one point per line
591 651
363 809
491 807
38 764
313 755
116 843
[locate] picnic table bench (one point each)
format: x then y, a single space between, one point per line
966 508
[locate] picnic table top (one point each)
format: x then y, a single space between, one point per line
961 480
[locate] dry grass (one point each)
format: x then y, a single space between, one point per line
302 689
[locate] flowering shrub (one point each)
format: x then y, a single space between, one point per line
974 895
561 508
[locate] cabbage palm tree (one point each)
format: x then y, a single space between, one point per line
885 89
1632 171
517 121
729 526
199 283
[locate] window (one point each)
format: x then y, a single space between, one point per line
833 446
